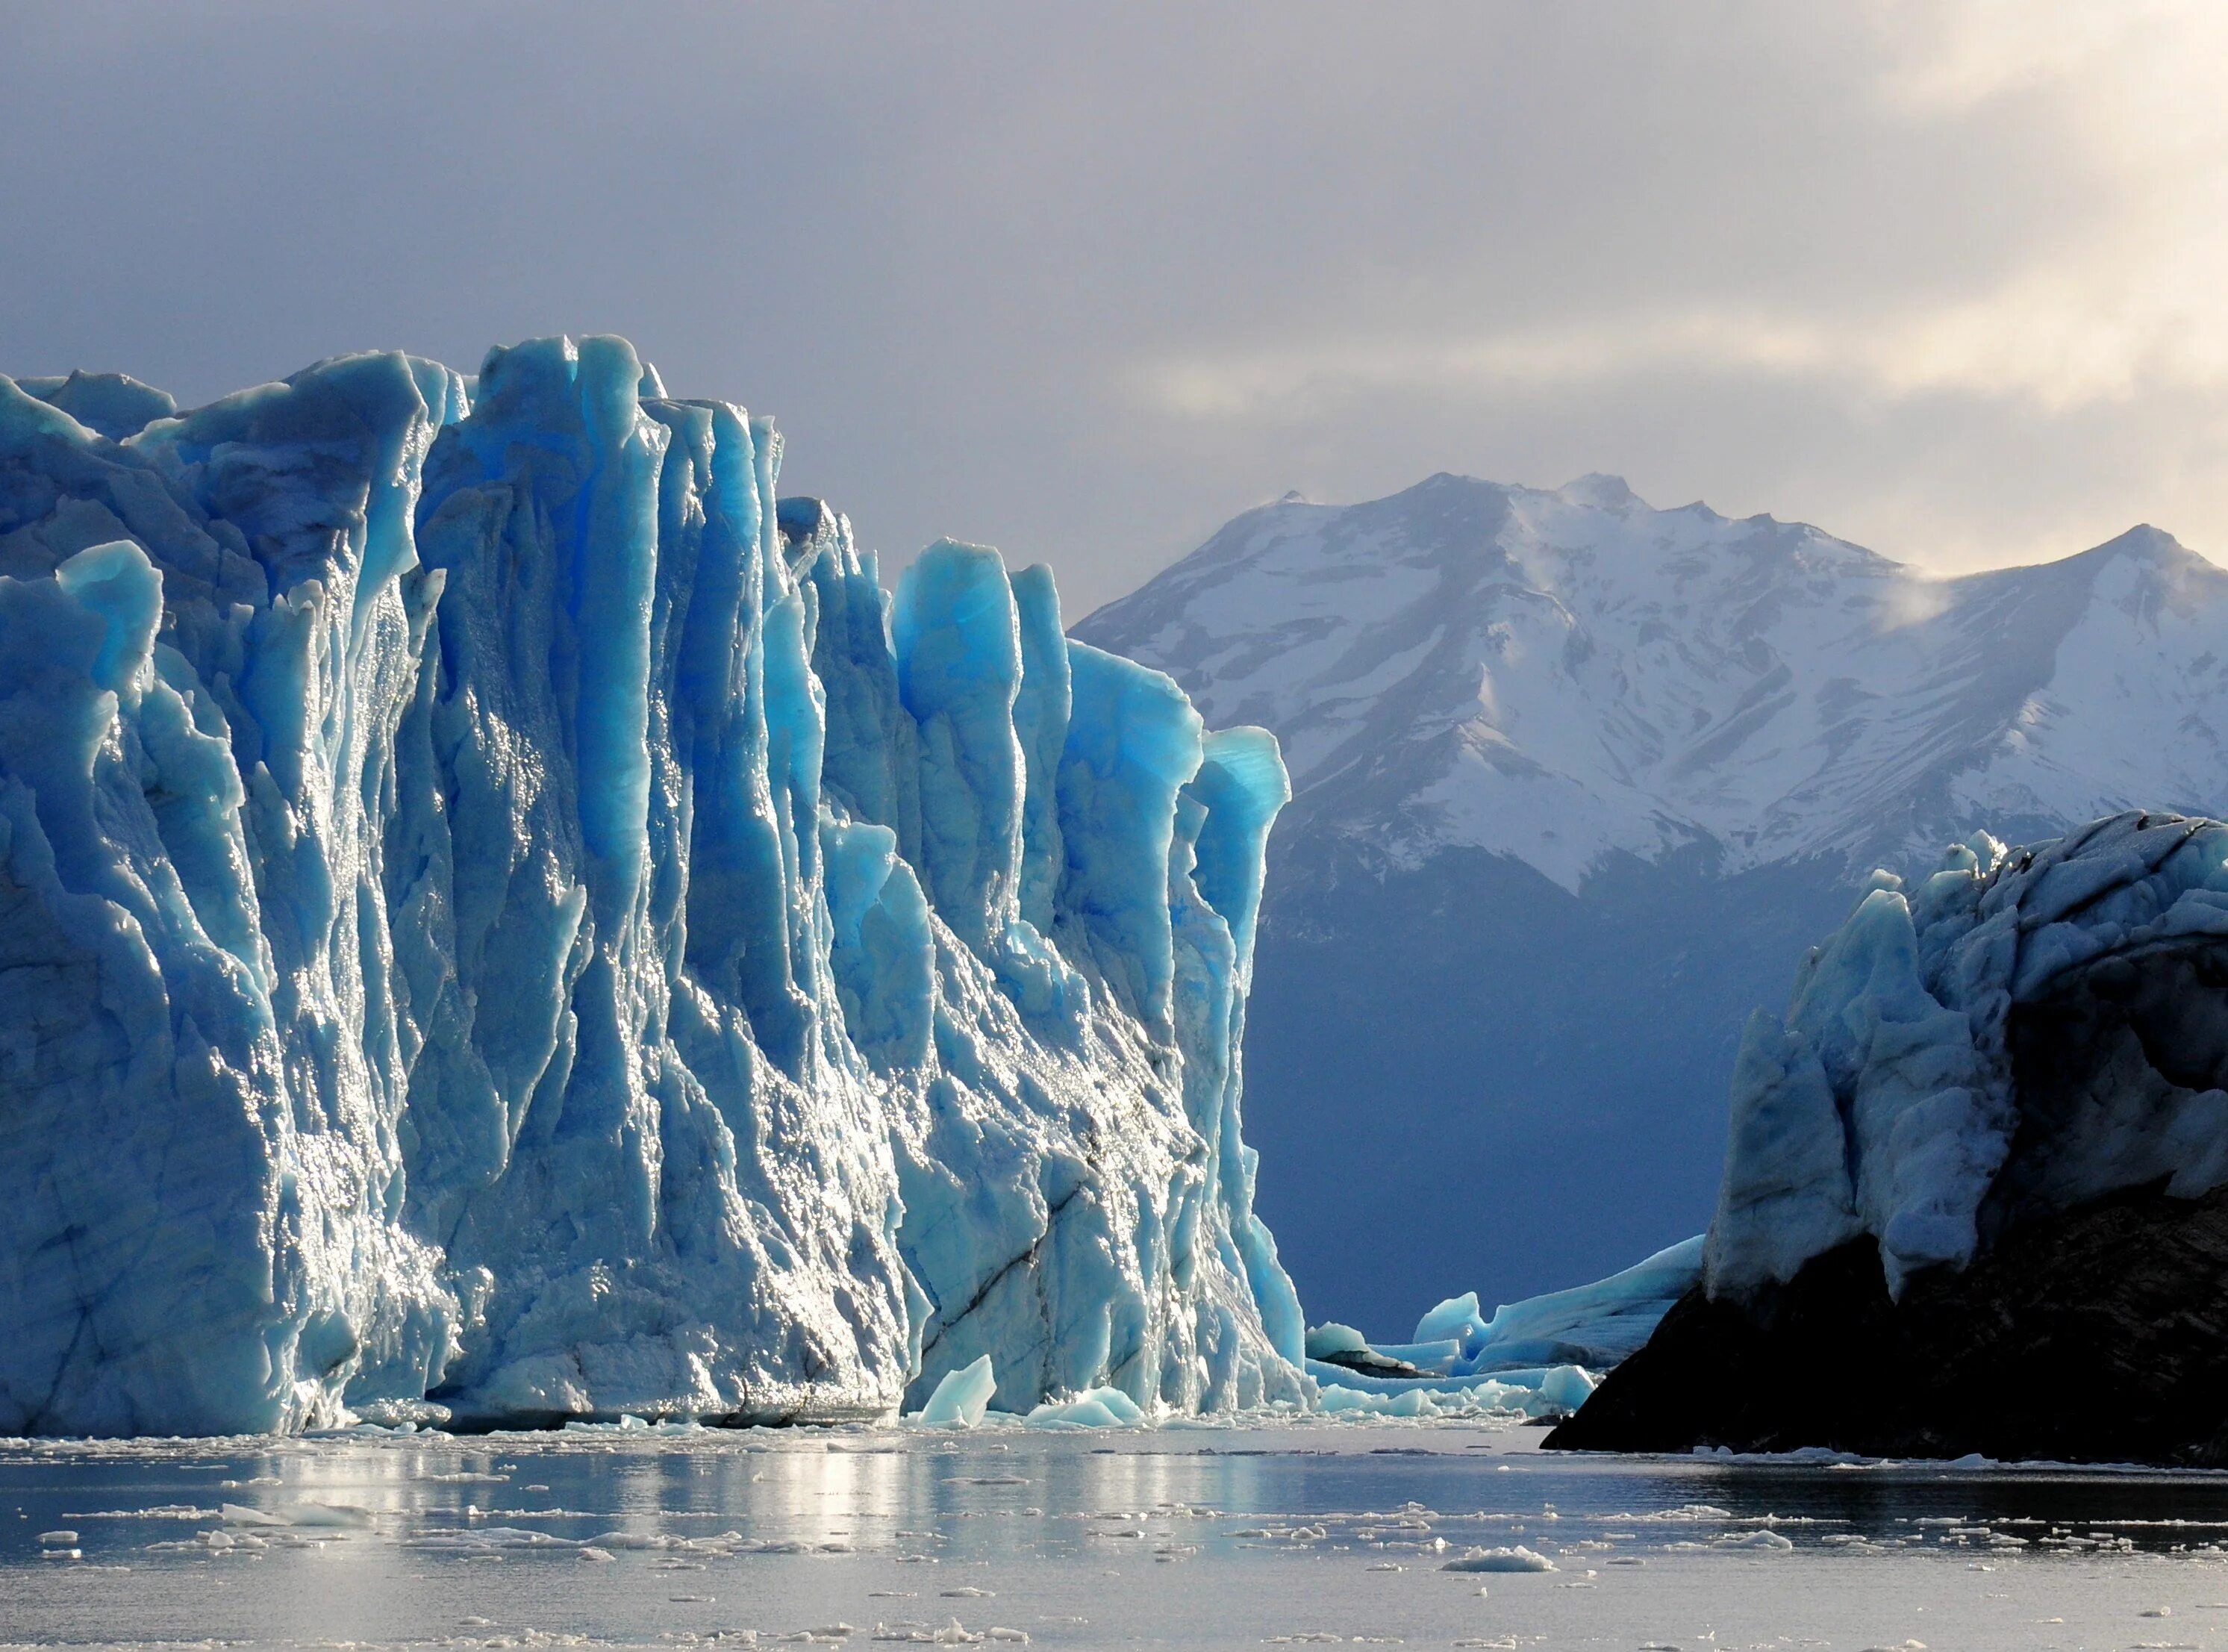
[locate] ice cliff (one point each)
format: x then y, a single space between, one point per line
497 912
2022 1032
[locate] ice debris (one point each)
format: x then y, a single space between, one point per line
1515 1558
960 1399
1555 1390
498 911
1093 1408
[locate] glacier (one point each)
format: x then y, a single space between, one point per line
2021 1032
503 918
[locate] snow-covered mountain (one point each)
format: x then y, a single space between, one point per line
1589 774
1560 676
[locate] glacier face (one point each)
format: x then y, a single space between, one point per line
502 913
2018 1033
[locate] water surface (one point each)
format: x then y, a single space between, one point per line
1179 1537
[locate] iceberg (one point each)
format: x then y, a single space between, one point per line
1094 1408
961 1399
1597 1325
1515 1558
502 914
1551 1347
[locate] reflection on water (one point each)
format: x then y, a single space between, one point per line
1199 1537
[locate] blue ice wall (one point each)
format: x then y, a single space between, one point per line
502 919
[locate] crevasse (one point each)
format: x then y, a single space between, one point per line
499 914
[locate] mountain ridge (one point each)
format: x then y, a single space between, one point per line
1708 656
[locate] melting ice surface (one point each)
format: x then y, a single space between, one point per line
500 916
1383 1532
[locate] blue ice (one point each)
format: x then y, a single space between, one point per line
503 918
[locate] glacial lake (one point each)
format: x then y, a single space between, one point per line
1310 1533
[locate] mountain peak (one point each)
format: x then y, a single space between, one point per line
1599 488
2152 554
1704 731
2151 544
1448 481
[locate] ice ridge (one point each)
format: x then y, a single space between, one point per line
500 916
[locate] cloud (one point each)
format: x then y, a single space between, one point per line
2130 304
2050 341
1083 282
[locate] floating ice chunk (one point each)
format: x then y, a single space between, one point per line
960 1399
1516 1558
336 1516
1540 1392
1594 1326
1565 1388
403 1413
1597 1325
1335 1397
1441 1358
1095 1408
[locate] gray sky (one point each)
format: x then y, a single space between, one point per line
1082 282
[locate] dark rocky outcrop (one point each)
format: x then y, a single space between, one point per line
1368 1363
2098 1334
